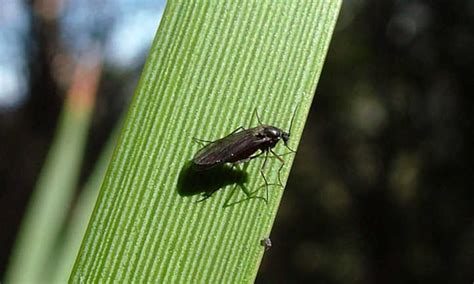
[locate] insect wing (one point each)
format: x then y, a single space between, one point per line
222 150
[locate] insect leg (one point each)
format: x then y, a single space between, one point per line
291 150
202 141
227 202
248 159
238 128
263 175
281 167
251 158
255 156
205 196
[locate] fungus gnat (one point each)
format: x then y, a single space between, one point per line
241 146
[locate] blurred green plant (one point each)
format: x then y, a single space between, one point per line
61 266
51 199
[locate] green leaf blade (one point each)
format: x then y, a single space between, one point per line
212 63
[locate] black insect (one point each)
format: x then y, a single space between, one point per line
241 146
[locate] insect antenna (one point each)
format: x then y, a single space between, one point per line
291 127
258 117
202 142
264 178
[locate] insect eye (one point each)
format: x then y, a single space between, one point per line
270 132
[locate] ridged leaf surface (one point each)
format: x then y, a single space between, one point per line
212 63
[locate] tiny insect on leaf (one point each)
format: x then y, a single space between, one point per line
243 145
266 243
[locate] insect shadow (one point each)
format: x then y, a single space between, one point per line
206 183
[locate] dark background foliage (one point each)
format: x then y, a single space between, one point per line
381 190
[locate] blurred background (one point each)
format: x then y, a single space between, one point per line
381 190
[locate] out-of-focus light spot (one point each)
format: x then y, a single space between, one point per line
408 22
334 198
368 113
132 38
403 177
12 15
13 25
309 256
124 28
367 166
402 29
12 91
